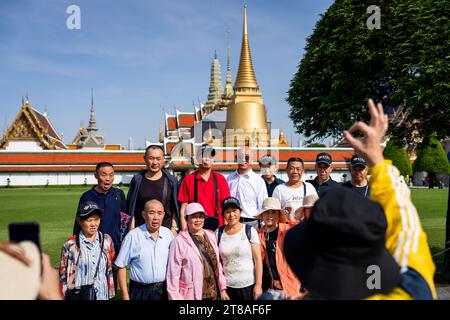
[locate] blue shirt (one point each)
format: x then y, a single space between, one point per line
87 265
112 203
363 191
146 256
321 188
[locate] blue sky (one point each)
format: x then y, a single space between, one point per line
142 57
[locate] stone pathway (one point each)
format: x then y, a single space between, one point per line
443 293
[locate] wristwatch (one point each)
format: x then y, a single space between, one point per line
175 227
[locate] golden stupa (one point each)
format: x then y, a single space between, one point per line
246 122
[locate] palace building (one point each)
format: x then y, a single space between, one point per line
33 153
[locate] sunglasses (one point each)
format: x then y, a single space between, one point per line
243 157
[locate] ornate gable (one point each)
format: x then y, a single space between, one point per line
30 125
82 132
23 130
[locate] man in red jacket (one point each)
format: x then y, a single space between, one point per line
204 186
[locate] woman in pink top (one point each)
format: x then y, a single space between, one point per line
194 270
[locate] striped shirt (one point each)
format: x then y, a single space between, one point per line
87 265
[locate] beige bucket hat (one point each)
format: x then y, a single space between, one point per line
272 204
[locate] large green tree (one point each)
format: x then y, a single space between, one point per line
431 157
405 62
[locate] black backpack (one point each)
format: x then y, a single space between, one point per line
248 232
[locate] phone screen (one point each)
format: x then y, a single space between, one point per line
22 231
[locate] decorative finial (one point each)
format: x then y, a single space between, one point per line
246 78
92 121
215 54
245 19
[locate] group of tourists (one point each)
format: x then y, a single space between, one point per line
235 238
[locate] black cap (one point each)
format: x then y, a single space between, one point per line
324 158
88 208
358 161
267 160
207 150
331 252
230 201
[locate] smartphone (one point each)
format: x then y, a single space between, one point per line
22 231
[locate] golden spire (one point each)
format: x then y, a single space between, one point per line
246 75
247 113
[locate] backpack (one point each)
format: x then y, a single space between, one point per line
248 233
124 220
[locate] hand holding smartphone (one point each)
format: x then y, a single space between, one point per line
25 231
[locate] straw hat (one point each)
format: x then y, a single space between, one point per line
272 204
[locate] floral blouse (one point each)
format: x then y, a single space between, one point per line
68 269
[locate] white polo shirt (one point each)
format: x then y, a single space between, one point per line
251 191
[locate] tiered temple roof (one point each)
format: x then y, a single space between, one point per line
31 125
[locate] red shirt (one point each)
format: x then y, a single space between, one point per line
206 195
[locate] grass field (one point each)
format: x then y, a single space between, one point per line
54 209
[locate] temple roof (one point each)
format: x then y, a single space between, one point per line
81 132
31 125
89 137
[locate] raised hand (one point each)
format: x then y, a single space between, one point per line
369 145
49 289
13 251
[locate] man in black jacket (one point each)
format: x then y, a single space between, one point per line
323 181
154 183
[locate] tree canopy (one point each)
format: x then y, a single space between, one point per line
431 157
404 63
396 152
316 145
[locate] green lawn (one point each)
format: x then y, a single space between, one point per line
432 208
54 209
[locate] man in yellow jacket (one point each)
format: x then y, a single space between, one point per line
404 238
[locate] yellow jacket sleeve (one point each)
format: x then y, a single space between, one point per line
396 294
405 238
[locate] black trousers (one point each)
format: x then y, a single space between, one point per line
241 294
152 291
